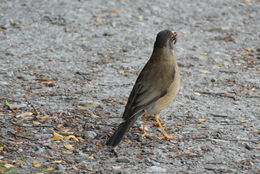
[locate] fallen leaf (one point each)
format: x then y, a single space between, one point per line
37 165
204 53
99 19
36 122
83 107
44 118
68 146
26 115
66 152
121 72
36 162
201 120
204 71
123 102
114 10
74 167
49 169
1 148
57 161
94 116
90 157
57 136
8 166
70 137
242 121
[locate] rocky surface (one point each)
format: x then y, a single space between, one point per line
67 67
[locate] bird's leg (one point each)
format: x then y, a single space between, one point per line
165 135
144 133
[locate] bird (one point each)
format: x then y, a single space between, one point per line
156 86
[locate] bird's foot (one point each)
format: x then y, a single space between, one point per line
166 137
145 133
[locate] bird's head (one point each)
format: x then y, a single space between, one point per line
165 39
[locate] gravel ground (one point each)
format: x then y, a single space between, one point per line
67 67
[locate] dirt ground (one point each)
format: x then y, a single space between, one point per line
67 68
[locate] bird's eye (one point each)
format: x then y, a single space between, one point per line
174 37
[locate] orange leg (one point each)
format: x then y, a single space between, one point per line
144 132
165 135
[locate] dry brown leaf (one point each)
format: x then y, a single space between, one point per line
69 147
70 137
114 10
1 148
36 162
44 118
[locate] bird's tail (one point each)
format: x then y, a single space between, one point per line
122 129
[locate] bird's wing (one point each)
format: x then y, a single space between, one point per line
152 84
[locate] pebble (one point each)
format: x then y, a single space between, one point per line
156 169
90 134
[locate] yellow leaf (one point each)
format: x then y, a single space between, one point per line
204 53
68 146
57 161
66 152
1 148
201 120
49 169
57 136
36 122
242 121
99 19
70 137
9 166
248 0
90 157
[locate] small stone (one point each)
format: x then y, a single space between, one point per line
90 134
156 169
122 160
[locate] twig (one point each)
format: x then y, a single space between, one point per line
218 115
